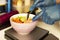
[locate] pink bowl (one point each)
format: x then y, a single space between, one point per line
24 28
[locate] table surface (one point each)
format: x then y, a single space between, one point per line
54 29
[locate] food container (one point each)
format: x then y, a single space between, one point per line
23 28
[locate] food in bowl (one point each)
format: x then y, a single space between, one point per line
21 25
22 19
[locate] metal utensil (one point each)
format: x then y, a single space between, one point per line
30 12
28 15
33 9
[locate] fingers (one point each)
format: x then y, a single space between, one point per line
35 4
41 4
38 15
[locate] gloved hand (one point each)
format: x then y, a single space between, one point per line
42 3
51 13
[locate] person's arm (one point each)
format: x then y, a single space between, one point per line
58 1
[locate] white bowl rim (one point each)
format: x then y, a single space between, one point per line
20 14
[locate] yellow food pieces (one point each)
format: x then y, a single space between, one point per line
28 21
21 20
16 20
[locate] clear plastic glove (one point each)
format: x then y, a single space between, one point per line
51 14
42 3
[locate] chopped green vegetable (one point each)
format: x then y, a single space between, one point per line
22 18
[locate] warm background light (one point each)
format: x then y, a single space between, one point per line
22 5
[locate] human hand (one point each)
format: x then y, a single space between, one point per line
51 14
42 3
